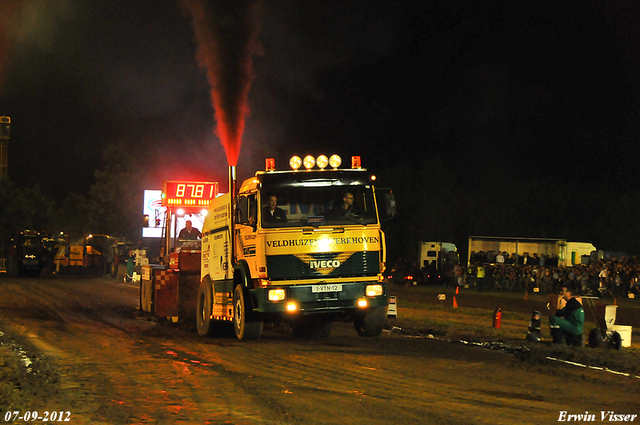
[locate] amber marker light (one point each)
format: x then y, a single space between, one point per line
295 162
291 307
356 163
362 303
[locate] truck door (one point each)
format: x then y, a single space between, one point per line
246 226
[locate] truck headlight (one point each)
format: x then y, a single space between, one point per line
374 290
277 295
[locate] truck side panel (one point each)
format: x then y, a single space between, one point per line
216 236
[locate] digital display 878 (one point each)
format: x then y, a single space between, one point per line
188 194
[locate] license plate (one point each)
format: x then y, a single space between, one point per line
326 288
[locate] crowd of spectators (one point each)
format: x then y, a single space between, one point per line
615 276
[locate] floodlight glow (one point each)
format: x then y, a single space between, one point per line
335 161
277 295
322 162
374 290
295 162
309 162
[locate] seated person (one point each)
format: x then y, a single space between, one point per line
345 208
189 233
568 321
272 213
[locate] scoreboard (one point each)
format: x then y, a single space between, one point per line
187 194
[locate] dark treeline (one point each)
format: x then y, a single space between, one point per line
435 204
112 206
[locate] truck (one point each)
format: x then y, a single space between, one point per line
320 260
560 251
438 256
436 260
28 254
93 254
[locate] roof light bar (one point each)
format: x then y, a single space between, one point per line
334 161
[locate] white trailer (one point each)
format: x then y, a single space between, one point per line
568 253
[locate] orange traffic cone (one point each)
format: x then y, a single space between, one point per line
526 295
457 290
615 301
455 303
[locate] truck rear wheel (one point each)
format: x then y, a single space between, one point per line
371 322
204 309
244 325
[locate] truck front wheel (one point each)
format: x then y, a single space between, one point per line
244 325
371 322
204 308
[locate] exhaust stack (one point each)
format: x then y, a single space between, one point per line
232 193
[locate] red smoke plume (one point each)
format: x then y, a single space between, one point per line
226 31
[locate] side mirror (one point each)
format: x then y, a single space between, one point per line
386 204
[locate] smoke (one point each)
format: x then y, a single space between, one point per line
226 32
7 13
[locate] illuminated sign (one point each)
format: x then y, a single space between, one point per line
188 194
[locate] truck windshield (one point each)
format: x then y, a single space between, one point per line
316 199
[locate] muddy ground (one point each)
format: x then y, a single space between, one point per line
79 346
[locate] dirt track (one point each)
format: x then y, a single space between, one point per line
117 369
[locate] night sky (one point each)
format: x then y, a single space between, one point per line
492 90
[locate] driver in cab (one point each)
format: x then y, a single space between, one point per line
272 213
345 208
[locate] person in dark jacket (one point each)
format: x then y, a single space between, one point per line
272 213
568 321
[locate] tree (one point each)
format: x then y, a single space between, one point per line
115 200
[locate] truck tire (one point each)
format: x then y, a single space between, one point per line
244 325
204 308
371 322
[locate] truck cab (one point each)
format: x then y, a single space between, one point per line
307 248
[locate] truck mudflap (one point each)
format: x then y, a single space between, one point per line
319 298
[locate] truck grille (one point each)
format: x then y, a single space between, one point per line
323 265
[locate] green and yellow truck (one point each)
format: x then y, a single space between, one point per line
302 246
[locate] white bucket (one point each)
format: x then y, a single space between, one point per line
625 334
